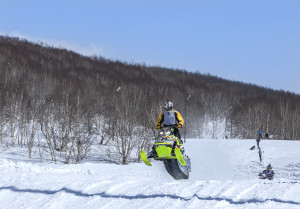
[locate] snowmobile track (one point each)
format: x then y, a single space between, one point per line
173 169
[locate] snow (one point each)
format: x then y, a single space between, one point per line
224 175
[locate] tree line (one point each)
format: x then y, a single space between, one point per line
57 101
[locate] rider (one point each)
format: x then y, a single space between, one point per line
170 117
268 173
259 138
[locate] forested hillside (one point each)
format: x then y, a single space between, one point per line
74 100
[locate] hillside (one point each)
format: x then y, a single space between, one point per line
70 101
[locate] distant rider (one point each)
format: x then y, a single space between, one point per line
170 117
260 134
259 138
267 135
268 173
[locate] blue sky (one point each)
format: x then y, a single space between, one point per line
253 41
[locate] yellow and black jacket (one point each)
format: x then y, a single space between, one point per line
170 118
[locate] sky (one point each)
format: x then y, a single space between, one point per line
252 41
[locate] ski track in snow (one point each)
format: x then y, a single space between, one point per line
224 175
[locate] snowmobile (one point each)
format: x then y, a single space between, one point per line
168 148
267 174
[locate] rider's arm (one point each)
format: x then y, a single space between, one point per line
179 119
160 120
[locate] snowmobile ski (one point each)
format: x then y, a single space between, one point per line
144 158
179 156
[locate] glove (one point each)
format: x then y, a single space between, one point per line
179 126
157 127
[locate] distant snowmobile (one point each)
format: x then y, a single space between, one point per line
267 174
169 149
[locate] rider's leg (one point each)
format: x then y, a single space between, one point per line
177 133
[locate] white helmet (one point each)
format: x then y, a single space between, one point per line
168 106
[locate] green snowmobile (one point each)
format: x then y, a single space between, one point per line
168 148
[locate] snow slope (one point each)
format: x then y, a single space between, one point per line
224 175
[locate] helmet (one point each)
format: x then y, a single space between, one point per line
168 106
269 167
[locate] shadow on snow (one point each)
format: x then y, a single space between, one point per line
141 196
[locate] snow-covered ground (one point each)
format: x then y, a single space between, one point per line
224 175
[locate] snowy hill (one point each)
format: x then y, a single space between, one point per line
224 175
